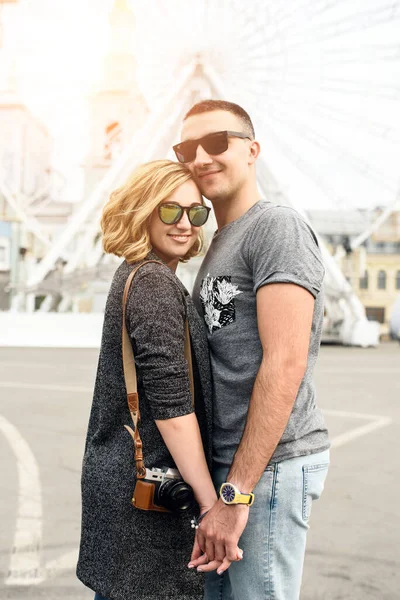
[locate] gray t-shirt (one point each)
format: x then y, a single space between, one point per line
268 244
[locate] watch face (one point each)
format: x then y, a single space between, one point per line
228 493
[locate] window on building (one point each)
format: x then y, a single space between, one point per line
364 281
375 313
381 280
398 280
38 301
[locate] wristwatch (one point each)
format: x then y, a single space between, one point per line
231 495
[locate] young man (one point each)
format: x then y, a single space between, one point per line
260 290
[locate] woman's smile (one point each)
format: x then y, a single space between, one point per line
179 237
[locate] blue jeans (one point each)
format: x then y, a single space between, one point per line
98 597
274 540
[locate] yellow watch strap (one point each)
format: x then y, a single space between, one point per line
245 499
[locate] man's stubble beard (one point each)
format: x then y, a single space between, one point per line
220 196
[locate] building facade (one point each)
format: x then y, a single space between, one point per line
373 269
25 156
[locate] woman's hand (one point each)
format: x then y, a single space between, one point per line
199 560
216 558
197 553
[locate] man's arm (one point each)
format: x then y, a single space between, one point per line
284 316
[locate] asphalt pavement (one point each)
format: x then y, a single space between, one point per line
354 541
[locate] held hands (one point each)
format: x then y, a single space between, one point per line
215 546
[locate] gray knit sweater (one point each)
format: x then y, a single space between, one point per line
125 553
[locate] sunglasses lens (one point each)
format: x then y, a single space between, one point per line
180 155
185 152
198 215
169 213
216 143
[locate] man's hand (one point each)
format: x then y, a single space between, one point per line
217 537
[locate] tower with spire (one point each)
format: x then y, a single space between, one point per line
117 107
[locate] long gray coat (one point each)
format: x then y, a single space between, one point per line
126 553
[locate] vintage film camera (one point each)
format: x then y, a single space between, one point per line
163 490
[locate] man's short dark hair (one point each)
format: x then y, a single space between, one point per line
212 105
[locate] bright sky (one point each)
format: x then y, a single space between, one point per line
57 48
323 85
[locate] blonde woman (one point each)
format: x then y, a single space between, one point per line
127 553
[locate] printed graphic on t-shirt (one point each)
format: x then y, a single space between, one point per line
217 296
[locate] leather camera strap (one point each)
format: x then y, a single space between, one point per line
128 360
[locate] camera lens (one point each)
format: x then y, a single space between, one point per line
175 495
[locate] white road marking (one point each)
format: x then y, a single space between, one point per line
375 422
352 415
44 386
65 562
25 556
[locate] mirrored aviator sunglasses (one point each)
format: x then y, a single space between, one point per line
172 213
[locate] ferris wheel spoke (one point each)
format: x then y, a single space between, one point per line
338 152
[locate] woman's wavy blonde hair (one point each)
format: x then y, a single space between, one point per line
126 216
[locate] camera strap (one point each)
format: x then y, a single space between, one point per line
130 377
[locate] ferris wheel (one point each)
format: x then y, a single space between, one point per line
321 81
320 78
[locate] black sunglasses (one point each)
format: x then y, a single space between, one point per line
171 213
213 143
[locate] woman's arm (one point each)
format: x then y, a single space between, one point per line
156 321
182 438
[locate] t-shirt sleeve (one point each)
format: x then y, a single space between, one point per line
284 249
156 316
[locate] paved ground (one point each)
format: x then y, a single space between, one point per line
353 550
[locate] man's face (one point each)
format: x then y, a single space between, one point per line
219 176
